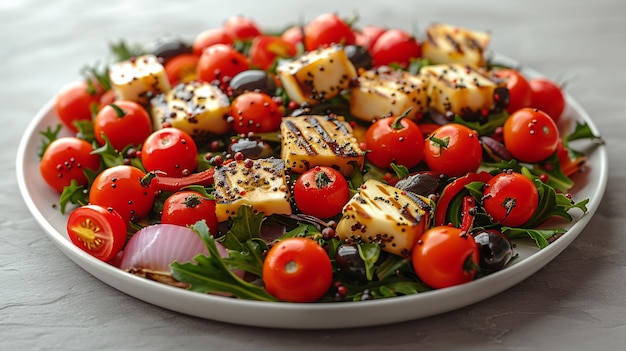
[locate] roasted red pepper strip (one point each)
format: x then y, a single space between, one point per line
452 189
469 213
173 184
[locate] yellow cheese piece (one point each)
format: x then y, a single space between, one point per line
451 44
138 79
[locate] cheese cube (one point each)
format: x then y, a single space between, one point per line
138 79
450 44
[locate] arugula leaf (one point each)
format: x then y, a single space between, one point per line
401 171
246 226
484 128
556 178
542 237
49 135
250 259
582 131
74 194
369 252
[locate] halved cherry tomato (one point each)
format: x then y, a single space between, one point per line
321 192
97 231
266 49
123 123
187 207
74 102
66 159
241 28
125 189
453 149
510 199
325 30
170 151
255 112
210 37
221 62
520 94
548 97
444 256
182 68
297 270
530 135
395 46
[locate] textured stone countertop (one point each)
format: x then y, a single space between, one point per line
576 302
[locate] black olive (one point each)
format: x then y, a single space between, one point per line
495 250
349 261
420 183
250 148
168 47
359 56
253 80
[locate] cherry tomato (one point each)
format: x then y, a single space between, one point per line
255 112
210 37
453 149
66 159
530 135
123 123
321 192
444 256
548 97
221 62
293 35
395 46
265 50
520 94
325 30
97 231
171 151
187 207
74 103
510 199
297 270
241 28
126 190
368 35
181 68
395 140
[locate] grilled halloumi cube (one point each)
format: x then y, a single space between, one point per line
317 75
462 89
138 79
258 183
386 215
200 109
450 44
312 140
385 92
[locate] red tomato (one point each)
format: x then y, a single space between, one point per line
255 112
171 151
97 231
293 35
182 68
368 35
453 149
265 49
123 123
74 102
445 257
241 28
325 30
520 94
395 46
394 140
548 97
321 192
510 199
186 207
530 135
221 62
66 159
125 189
297 270
210 37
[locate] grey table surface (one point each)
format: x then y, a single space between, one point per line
577 302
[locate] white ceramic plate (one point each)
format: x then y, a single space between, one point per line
40 199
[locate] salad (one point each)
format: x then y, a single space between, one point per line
321 163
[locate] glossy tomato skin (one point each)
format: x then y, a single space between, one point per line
368 35
221 62
327 29
255 112
210 37
66 159
241 28
97 231
126 190
293 35
74 103
390 140
510 199
520 94
445 257
171 151
186 207
395 46
548 97
297 270
321 192
123 123
182 68
265 50
530 135
453 149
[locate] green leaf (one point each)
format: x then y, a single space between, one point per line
484 128
582 131
49 135
85 130
369 252
250 259
392 264
542 237
123 51
73 194
401 171
109 156
246 225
